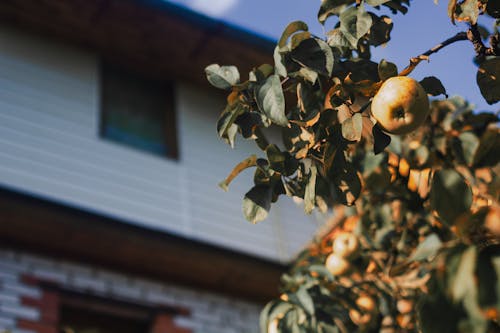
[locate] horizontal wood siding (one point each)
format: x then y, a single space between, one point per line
50 147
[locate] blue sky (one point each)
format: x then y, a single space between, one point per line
425 25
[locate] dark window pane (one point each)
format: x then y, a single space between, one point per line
81 320
137 112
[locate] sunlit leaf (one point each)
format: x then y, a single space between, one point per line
222 77
305 300
272 101
355 22
291 28
467 11
332 7
310 192
257 203
427 249
463 282
470 144
352 127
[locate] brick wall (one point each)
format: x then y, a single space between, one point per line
25 307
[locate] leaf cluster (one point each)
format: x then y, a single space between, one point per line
424 206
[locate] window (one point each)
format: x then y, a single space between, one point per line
137 112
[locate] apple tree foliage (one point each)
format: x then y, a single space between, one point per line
424 206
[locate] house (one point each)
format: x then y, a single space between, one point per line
110 215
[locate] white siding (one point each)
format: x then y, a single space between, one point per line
49 147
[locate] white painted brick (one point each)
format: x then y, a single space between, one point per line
7 254
155 297
9 297
35 261
52 275
189 323
8 276
89 283
126 291
148 286
19 311
111 277
22 289
6 322
13 266
75 269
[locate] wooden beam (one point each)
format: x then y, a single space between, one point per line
47 228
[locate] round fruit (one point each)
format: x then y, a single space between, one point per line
337 265
360 319
401 105
366 303
405 306
346 245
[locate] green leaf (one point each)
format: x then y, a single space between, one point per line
470 144
376 2
225 125
380 31
290 30
264 316
427 249
464 280
327 328
488 80
279 66
314 54
386 70
257 203
488 152
305 299
310 191
332 7
467 11
222 77
353 127
433 86
276 158
335 38
452 4
450 195
355 22
493 8
380 139
271 100
322 271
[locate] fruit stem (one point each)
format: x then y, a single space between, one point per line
425 56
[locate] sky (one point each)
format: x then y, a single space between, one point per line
425 25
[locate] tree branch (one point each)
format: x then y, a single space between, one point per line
425 56
481 50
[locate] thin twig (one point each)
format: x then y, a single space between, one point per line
425 56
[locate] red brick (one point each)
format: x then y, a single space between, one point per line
37 327
164 324
48 305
